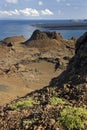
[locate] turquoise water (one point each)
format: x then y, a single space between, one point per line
25 28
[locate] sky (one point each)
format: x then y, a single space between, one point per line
43 9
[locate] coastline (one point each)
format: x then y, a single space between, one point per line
63 26
25 28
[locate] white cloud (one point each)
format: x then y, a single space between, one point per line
46 12
40 3
12 1
15 12
9 13
25 12
29 12
5 13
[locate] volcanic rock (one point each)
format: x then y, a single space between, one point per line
38 35
14 39
71 85
32 63
73 82
44 39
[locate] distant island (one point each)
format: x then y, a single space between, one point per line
70 25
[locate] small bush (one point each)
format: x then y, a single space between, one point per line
56 100
23 104
73 118
27 122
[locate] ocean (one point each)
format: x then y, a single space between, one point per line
26 27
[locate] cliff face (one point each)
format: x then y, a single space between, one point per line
81 55
79 62
72 83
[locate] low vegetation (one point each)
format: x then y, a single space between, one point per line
73 118
23 104
56 100
27 122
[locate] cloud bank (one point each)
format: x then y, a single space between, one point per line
26 12
46 12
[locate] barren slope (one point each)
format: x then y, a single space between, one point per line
25 68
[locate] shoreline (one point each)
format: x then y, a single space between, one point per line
63 26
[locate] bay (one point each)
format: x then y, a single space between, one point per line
25 27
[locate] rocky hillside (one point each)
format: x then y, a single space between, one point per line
38 35
60 106
9 41
26 66
72 83
48 40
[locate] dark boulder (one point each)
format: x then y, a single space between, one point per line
10 44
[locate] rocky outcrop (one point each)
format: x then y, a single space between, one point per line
44 39
81 56
51 45
38 35
72 83
9 41
14 39
79 61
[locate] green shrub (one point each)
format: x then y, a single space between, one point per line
23 104
27 122
56 100
73 118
